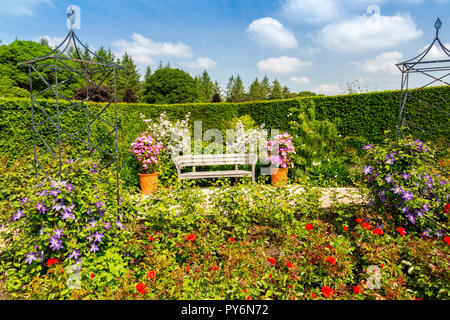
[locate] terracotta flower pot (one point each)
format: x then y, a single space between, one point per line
279 176
148 182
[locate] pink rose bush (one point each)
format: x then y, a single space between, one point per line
281 150
147 150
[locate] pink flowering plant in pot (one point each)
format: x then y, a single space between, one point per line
281 150
147 151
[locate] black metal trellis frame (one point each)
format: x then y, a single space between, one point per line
428 68
57 61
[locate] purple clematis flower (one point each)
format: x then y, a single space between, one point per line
411 218
66 215
99 204
119 225
55 243
98 236
32 256
107 225
58 233
54 192
426 233
70 187
24 200
389 178
368 147
75 254
42 193
397 190
93 248
19 214
367 170
406 176
407 195
41 208
405 210
59 205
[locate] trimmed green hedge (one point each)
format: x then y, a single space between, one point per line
365 115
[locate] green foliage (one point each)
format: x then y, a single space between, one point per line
53 220
128 83
169 85
319 147
405 186
358 118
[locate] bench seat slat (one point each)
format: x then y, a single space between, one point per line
215 174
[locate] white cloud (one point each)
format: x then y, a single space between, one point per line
200 63
269 32
301 80
52 41
329 89
311 11
384 62
20 7
143 49
436 52
310 50
368 32
282 64
324 11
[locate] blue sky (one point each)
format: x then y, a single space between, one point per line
317 45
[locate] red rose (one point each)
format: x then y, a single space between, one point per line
356 289
331 260
151 274
52 261
359 220
313 295
377 231
327 291
272 261
289 265
270 276
232 240
244 290
92 276
140 287
191 237
151 238
309 226
401 231
248 298
290 286
446 240
366 225
345 228
216 268
447 208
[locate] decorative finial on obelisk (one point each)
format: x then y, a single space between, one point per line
437 25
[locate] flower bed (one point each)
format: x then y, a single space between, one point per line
250 242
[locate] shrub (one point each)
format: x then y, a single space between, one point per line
403 187
59 224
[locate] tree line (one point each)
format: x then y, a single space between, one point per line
166 85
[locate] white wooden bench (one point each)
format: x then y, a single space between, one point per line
198 160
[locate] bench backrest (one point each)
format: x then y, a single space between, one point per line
214 159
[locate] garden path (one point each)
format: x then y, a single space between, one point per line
343 195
